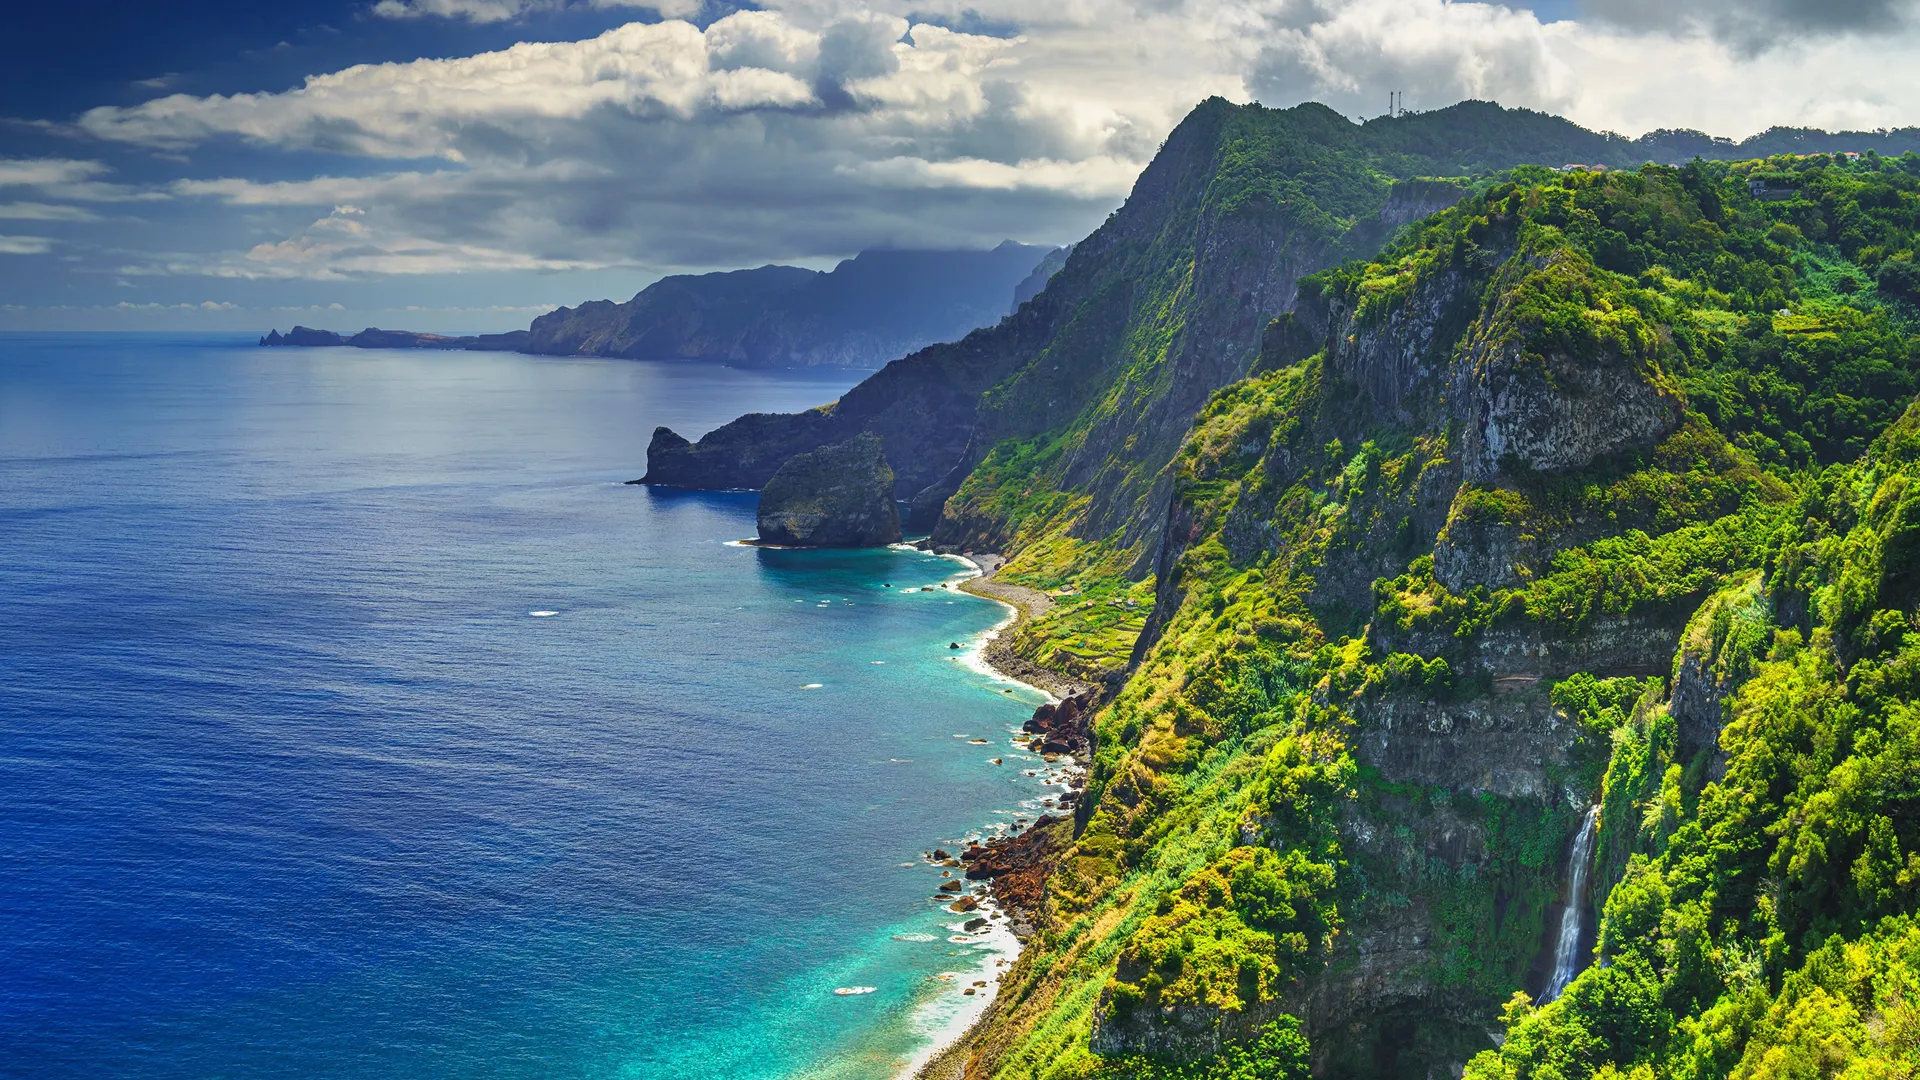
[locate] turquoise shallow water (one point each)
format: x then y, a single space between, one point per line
296 784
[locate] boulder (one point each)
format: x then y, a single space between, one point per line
837 496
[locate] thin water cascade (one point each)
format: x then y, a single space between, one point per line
1566 951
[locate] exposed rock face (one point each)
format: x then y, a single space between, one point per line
1641 644
837 496
1062 728
1531 404
1402 359
1177 1032
1018 865
1474 551
1060 351
1509 743
1710 665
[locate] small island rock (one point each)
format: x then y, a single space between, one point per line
837 496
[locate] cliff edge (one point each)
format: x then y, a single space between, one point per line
837 496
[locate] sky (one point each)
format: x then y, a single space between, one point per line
464 165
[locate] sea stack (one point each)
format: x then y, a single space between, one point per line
836 496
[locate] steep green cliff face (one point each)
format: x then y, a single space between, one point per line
1085 392
1583 492
836 496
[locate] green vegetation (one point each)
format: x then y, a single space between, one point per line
1761 930
1380 691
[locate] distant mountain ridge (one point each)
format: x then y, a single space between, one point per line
871 309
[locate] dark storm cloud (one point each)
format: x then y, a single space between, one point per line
1755 25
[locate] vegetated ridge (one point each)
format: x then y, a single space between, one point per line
861 314
1590 488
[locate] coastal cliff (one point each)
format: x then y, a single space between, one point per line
836 496
1588 489
1176 288
1483 541
1423 581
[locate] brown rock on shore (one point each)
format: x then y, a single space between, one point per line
1018 865
1062 728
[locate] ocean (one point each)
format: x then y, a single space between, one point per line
356 720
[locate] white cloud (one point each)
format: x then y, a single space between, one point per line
25 245
46 172
454 108
492 11
37 211
347 244
204 305
1351 54
812 128
66 178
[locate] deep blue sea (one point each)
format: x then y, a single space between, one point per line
357 721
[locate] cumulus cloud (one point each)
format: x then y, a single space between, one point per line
808 129
1350 54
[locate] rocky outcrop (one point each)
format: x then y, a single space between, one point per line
1533 403
304 337
922 408
837 496
1182 1032
1018 865
1062 727
375 338
1716 657
1472 550
1400 358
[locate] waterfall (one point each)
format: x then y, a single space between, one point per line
1566 951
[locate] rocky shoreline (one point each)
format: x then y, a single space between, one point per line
1015 866
1028 604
